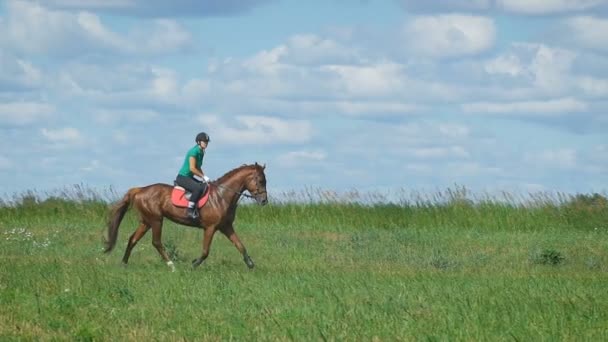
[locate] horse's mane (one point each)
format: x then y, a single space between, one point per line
234 171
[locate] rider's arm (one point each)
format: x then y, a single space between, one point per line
194 169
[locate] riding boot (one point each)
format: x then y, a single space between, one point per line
192 213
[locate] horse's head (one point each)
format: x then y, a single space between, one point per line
256 184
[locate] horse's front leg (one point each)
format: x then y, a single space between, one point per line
209 232
228 230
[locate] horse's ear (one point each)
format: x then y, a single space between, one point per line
264 166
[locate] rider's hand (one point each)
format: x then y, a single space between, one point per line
206 179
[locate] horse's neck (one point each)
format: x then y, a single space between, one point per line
233 186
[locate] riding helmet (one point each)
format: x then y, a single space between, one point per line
202 136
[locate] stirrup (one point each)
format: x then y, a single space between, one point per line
192 213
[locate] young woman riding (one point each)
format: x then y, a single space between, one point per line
191 167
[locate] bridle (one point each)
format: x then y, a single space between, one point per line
242 193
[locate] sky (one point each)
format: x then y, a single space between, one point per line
367 95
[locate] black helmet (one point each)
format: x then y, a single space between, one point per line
202 136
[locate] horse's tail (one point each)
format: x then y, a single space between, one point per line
116 215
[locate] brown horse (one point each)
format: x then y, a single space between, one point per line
153 203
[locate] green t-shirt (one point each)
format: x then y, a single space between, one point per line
198 154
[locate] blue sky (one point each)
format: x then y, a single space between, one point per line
494 95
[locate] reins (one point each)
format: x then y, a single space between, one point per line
240 193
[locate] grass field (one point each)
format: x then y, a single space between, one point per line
444 268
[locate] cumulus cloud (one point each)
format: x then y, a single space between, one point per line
549 67
276 80
32 28
315 50
367 80
508 64
449 35
244 130
538 70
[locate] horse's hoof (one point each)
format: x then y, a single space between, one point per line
196 263
250 264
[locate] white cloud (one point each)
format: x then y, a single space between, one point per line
592 86
529 72
556 106
314 50
32 28
587 32
508 64
158 37
164 84
268 82
24 113
547 6
527 7
299 158
550 67
449 35
67 135
369 81
302 50
93 27
244 130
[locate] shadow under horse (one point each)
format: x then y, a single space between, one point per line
153 204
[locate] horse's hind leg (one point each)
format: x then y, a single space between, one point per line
157 231
136 236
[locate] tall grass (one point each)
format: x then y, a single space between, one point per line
352 266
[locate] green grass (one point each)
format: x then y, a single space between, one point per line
442 269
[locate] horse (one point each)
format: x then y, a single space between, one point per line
153 204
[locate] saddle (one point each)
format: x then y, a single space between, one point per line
180 197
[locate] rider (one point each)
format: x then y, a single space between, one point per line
192 167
